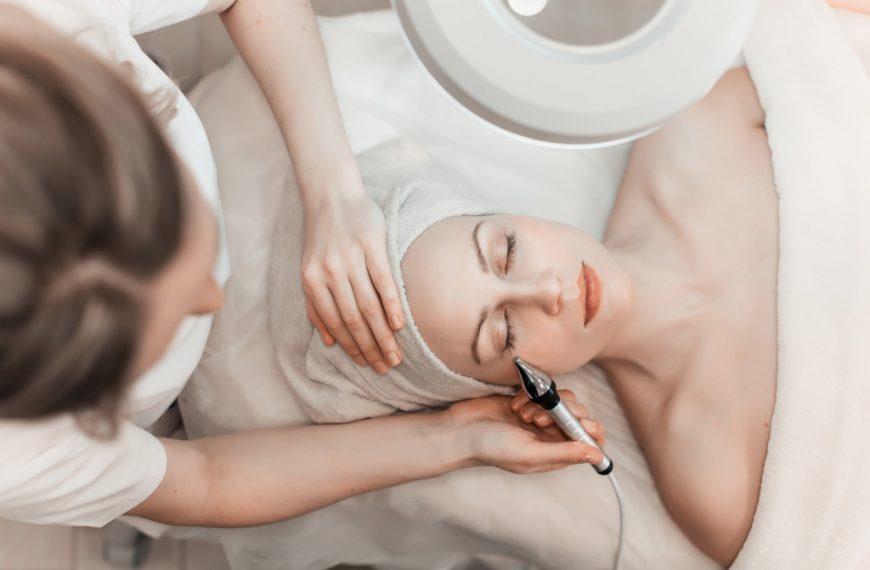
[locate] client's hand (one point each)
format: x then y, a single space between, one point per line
347 279
511 436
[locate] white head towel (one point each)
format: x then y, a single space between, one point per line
414 195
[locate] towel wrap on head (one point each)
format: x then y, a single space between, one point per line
414 194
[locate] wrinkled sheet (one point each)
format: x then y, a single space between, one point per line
475 514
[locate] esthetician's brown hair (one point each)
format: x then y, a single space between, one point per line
92 206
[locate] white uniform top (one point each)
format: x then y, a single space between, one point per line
50 471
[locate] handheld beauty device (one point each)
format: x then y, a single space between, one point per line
542 390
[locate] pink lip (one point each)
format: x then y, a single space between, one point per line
590 292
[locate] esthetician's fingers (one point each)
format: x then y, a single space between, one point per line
382 278
548 456
324 307
593 427
519 400
529 411
357 325
533 414
328 339
372 311
567 394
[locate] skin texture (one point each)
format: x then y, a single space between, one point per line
686 330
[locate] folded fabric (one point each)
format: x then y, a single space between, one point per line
814 505
414 194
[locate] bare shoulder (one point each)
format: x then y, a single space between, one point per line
693 163
735 95
709 485
733 100
710 132
707 138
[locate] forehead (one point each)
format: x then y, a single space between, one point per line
446 288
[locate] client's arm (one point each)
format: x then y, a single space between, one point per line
267 475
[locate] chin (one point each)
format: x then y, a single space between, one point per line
619 303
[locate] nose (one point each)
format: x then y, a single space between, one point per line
543 291
210 300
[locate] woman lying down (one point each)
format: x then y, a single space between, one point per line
677 305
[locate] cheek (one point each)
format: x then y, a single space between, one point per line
547 343
503 373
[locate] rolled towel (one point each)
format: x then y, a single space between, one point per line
414 194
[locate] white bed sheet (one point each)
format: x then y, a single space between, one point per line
472 515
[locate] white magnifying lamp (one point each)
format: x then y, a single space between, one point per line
576 73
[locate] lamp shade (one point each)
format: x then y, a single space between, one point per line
576 73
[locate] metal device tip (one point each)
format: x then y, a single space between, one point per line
535 382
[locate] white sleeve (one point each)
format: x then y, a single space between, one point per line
148 15
53 473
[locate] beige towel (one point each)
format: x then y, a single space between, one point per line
414 194
814 505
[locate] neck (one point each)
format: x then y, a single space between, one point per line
658 339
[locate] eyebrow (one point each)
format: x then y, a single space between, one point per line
481 260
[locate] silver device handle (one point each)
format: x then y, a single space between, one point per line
574 430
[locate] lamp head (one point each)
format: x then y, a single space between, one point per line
575 73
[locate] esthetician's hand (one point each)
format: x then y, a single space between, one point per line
533 414
350 291
504 434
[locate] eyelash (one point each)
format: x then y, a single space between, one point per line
511 251
509 259
509 338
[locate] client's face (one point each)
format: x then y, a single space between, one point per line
485 289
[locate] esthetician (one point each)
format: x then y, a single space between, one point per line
112 259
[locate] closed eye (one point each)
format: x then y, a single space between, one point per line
510 339
511 251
